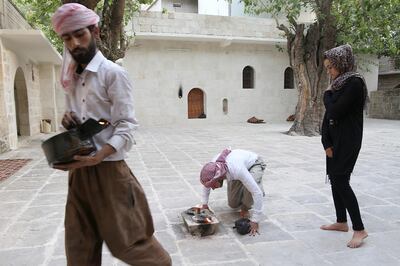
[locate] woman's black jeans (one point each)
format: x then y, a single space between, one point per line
344 198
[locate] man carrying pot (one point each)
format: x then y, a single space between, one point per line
105 201
243 171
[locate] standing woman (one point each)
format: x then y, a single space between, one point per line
342 130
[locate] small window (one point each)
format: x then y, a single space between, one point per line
225 106
248 77
289 78
177 4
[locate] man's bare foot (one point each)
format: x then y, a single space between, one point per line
244 214
342 227
357 239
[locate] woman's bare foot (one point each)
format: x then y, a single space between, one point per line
342 227
357 239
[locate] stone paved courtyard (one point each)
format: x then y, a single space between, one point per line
167 161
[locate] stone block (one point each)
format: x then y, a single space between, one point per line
200 228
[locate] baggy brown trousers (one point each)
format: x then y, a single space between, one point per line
106 203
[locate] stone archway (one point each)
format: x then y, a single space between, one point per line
196 104
21 104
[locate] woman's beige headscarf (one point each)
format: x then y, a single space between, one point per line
342 59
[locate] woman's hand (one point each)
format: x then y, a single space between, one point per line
329 152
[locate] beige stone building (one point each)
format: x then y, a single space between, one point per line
206 61
29 87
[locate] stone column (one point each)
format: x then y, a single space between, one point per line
48 94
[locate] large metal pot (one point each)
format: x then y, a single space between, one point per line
62 147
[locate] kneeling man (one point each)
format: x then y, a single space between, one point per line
243 171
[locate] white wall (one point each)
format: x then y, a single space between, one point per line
368 66
187 6
157 68
214 7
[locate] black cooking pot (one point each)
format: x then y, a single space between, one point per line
242 226
62 147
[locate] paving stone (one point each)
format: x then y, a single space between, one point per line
43 214
389 213
31 256
59 249
183 202
10 210
367 256
322 209
388 241
160 222
282 206
25 185
204 251
55 188
384 192
309 199
4 223
167 240
366 200
297 202
62 261
269 232
49 199
298 221
16 195
34 233
325 242
394 200
285 253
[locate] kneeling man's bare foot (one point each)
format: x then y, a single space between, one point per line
357 239
342 227
244 214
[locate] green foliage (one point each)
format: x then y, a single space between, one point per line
39 13
370 26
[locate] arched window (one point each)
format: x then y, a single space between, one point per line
225 106
248 77
289 78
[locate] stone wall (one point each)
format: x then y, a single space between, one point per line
3 115
158 68
385 104
195 24
388 81
48 94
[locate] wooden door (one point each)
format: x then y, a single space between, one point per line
196 104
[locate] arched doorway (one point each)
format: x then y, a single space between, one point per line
196 104
21 104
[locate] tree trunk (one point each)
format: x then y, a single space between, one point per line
88 3
306 59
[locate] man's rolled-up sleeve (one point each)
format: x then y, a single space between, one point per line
123 119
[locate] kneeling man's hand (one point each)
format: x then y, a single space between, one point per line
253 228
